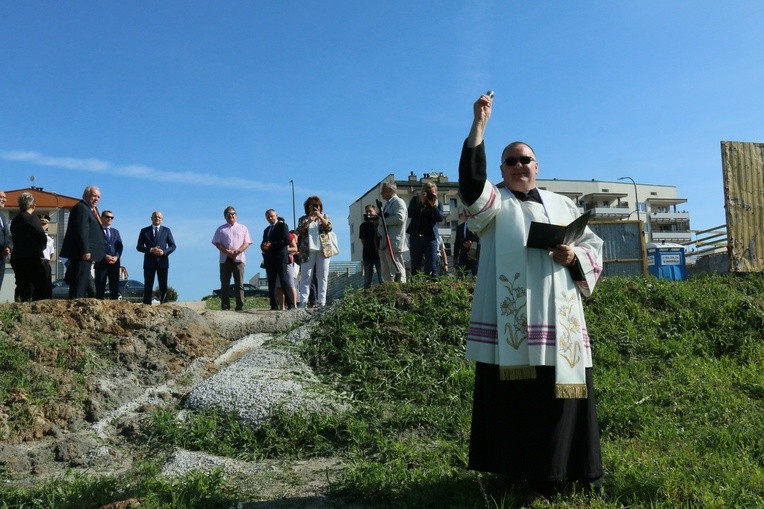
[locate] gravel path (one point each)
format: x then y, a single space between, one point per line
256 378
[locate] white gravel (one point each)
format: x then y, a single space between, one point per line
257 378
261 383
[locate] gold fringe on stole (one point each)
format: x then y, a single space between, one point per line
570 391
517 373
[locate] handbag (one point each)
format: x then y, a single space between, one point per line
329 244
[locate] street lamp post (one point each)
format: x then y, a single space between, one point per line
636 196
294 214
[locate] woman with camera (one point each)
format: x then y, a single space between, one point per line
312 257
425 212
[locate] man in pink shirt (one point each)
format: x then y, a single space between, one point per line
231 239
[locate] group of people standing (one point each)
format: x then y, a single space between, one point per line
385 240
282 250
93 247
91 250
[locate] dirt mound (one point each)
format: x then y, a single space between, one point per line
78 360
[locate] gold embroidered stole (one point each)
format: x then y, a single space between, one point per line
525 294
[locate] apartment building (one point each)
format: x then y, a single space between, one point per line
655 205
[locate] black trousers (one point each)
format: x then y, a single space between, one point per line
148 281
47 289
30 278
227 269
80 279
107 273
279 270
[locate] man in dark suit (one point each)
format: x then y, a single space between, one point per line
83 243
156 244
275 253
108 268
465 249
5 238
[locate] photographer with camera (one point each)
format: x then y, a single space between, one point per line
368 235
425 212
312 257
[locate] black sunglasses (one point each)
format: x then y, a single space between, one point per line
511 161
108 217
230 213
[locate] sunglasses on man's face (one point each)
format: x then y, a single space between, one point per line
108 217
229 214
511 161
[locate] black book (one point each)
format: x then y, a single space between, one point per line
547 236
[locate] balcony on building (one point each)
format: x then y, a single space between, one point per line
663 211
607 206
575 196
670 217
671 236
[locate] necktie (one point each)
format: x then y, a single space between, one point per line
107 232
270 231
97 215
156 233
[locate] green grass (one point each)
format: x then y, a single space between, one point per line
31 375
213 302
679 372
202 491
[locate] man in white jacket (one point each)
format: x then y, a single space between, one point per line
395 215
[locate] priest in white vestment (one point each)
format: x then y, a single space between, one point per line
534 411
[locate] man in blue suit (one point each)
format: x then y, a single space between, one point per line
83 243
156 244
108 268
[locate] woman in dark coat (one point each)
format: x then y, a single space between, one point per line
29 241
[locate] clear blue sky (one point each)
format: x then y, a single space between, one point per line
188 106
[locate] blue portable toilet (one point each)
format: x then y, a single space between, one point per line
666 261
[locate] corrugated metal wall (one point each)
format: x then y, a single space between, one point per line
623 253
743 171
